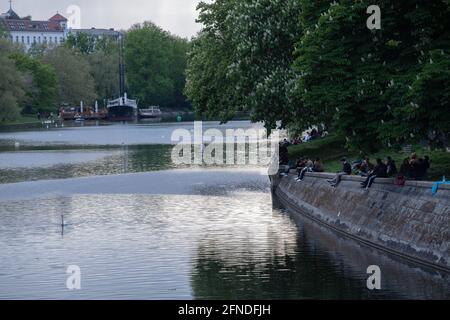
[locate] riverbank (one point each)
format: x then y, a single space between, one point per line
22 120
331 150
408 221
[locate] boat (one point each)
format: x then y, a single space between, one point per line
122 109
67 113
150 113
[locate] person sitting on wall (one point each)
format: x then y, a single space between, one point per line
414 166
403 173
366 167
301 163
391 167
427 164
284 154
346 170
318 166
421 169
308 168
380 171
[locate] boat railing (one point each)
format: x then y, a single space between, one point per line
122 102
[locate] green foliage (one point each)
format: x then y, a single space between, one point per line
12 85
42 94
82 41
102 53
310 63
242 60
75 82
155 63
209 86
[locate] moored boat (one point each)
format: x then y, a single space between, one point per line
122 109
150 113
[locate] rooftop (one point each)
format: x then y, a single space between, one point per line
12 22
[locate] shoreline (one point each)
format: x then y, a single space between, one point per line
408 221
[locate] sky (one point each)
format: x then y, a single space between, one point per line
176 16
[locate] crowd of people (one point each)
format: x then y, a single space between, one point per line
412 168
309 136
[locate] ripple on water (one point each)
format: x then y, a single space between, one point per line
216 243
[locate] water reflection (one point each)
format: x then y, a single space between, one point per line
307 262
191 235
37 164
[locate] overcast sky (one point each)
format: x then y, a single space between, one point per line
176 16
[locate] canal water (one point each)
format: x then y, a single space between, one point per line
140 227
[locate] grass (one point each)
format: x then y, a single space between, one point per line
23 119
332 148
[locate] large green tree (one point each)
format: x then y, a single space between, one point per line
246 47
362 81
310 63
209 85
102 53
73 71
155 63
43 92
13 84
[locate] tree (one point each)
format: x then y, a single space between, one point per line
103 56
310 63
242 59
155 63
84 42
75 82
12 85
42 94
209 86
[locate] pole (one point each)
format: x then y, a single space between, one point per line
121 66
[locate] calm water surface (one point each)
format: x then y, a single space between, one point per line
141 228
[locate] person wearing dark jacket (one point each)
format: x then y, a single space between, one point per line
391 167
379 171
346 171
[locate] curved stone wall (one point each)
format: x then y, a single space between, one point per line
407 221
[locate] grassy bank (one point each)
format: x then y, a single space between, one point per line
23 119
331 149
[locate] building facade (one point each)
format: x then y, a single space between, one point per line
27 32
54 31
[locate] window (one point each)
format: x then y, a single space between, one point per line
56 39
34 39
39 39
17 38
45 39
28 39
23 39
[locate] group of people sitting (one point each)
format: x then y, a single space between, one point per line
412 168
305 165
309 136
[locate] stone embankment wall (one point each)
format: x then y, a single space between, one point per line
407 221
